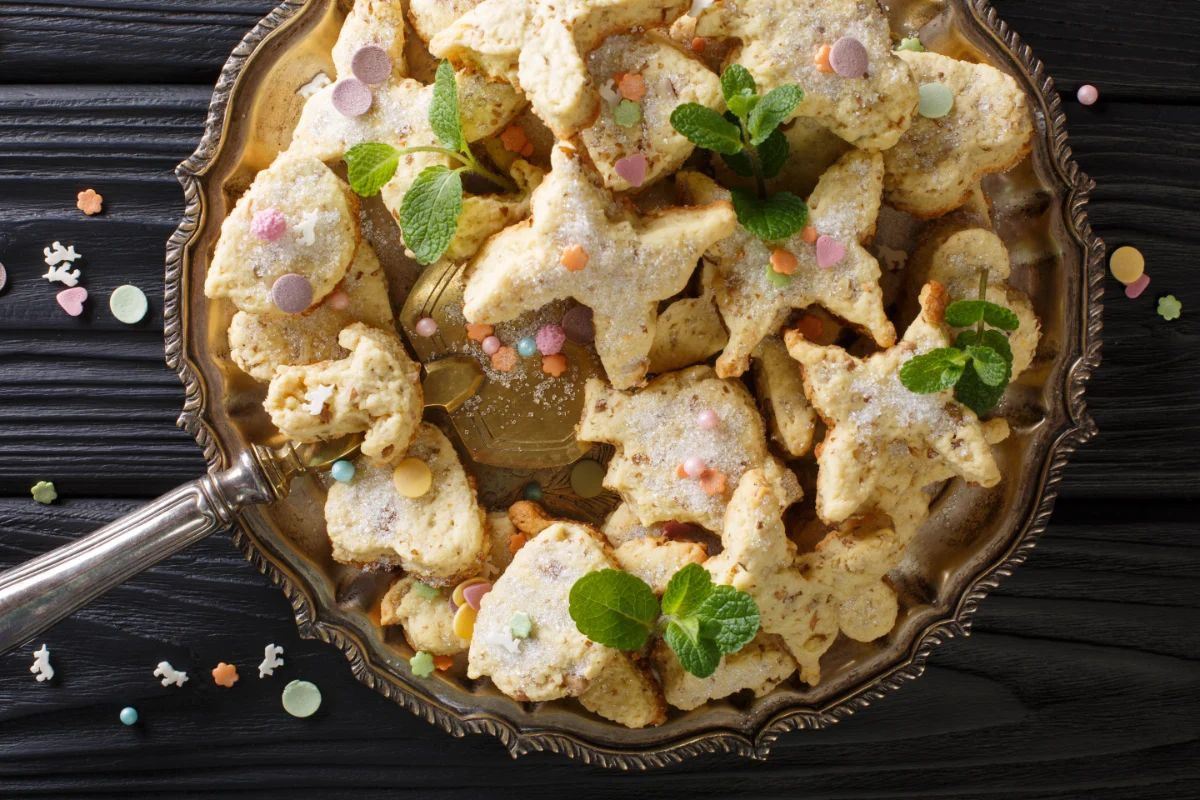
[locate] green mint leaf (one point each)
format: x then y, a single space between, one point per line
741 105
1000 317
627 114
697 654
775 106
443 109
740 163
706 128
989 365
613 608
934 371
729 617
964 313
778 216
993 339
773 153
369 166
687 590
736 81
429 213
977 395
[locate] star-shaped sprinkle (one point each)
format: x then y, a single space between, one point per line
1169 308
633 261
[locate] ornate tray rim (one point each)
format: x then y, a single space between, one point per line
194 419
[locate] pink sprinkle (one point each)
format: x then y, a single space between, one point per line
849 58
426 326
550 339
1088 94
371 64
632 168
475 592
352 97
707 420
491 345
672 529
292 293
268 225
829 251
1134 290
72 299
339 300
694 466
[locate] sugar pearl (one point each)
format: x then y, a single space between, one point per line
527 346
339 300
490 345
694 466
707 420
1088 94
427 326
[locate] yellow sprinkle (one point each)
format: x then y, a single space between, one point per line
1127 264
464 621
412 478
457 597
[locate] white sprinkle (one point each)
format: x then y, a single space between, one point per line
63 274
314 399
319 82
271 660
608 90
169 674
306 228
56 254
503 638
41 664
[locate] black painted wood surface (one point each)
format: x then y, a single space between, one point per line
1081 676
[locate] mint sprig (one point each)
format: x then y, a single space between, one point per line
699 621
749 140
979 365
431 206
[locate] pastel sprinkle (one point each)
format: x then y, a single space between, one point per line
371 64
1134 290
464 622
504 359
43 492
129 715
632 87
412 478
829 252
352 97
225 675
713 482
632 169
707 419
72 299
527 346
477 331
514 139
268 225
783 262
587 478
457 596
3 277
810 327
342 471
301 699
936 100
627 113
426 326
554 365
776 279
516 543
474 593
520 624
911 43
491 345
574 258
443 663
292 293
425 591
1169 308
550 339
422 664
698 44
339 300
89 203
578 326
809 234
849 58
694 466
822 59
673 529
128 304
532 491
1088 94
1127 264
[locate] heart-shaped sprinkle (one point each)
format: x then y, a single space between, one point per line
829 251
352 97
849 58
1134 290
292 293
475 592
371 64
632 168
72 299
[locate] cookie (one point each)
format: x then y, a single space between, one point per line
657 430
314 234
371 23
258 343
760 666
814 150
781 42
431 17
428 622
655 559
689 331
623 525
842 211
439 538
790 417
500 535
539 46
556 660
626 692
870 614
934 166
584 243
375 390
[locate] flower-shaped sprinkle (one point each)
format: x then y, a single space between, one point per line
43 492
1169 308
89 202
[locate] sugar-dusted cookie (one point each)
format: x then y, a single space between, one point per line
556 660
688 332
833 270
877 426
431 17
258 343
623 525
439 537
851 562
664 429
663 77
500 536
814 149
627 693
540 45
790 416
655 559
857 88
582 242
425 615
869 614
371 24
376 389
934 166
760 666
297 218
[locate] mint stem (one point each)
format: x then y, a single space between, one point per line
468 161
752 153
983 276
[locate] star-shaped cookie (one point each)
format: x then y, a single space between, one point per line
540 46
781 41
879 431
842 209
581 242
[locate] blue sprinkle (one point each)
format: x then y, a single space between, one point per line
527 347
342 471
129 715
532 491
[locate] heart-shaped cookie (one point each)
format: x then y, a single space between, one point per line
72 299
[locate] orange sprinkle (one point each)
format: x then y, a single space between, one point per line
89 202
225 675
632 87
783 262
443 663
698 45
554 365
574 258
504 359
514 138
713 482
680 472
516 542
810 327
809 234
527 150
822 59
478 332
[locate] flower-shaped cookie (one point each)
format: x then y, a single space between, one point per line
934 166
842 213
857 87
581 242
540 46
878 429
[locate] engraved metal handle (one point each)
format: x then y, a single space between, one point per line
40 592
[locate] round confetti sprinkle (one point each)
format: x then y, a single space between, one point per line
776 279
1169 308
707 419
1088 94
578 327
527 346
520 624
128 304
371 64
1134 290
550 339
3 277
426 326
352 97
339 300
464 622
627 114
301 699
457 596
1127 264
587 478
412 478
129 715
292 293
342 470
268 225
673 529
936 100
43 492
72 299
532 491
475 592
490 345
694 466
848 57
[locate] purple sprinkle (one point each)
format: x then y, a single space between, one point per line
352 97
848 57
292 293
371 64
1134 290
578 326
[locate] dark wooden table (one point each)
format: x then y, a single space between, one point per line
1081 678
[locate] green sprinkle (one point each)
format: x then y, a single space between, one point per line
422 664
43 491
425 591
301 699
627 114
776 279
1169 308
936 100
532 491
520 625
128 304
911 43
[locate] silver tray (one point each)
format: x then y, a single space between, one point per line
973 540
